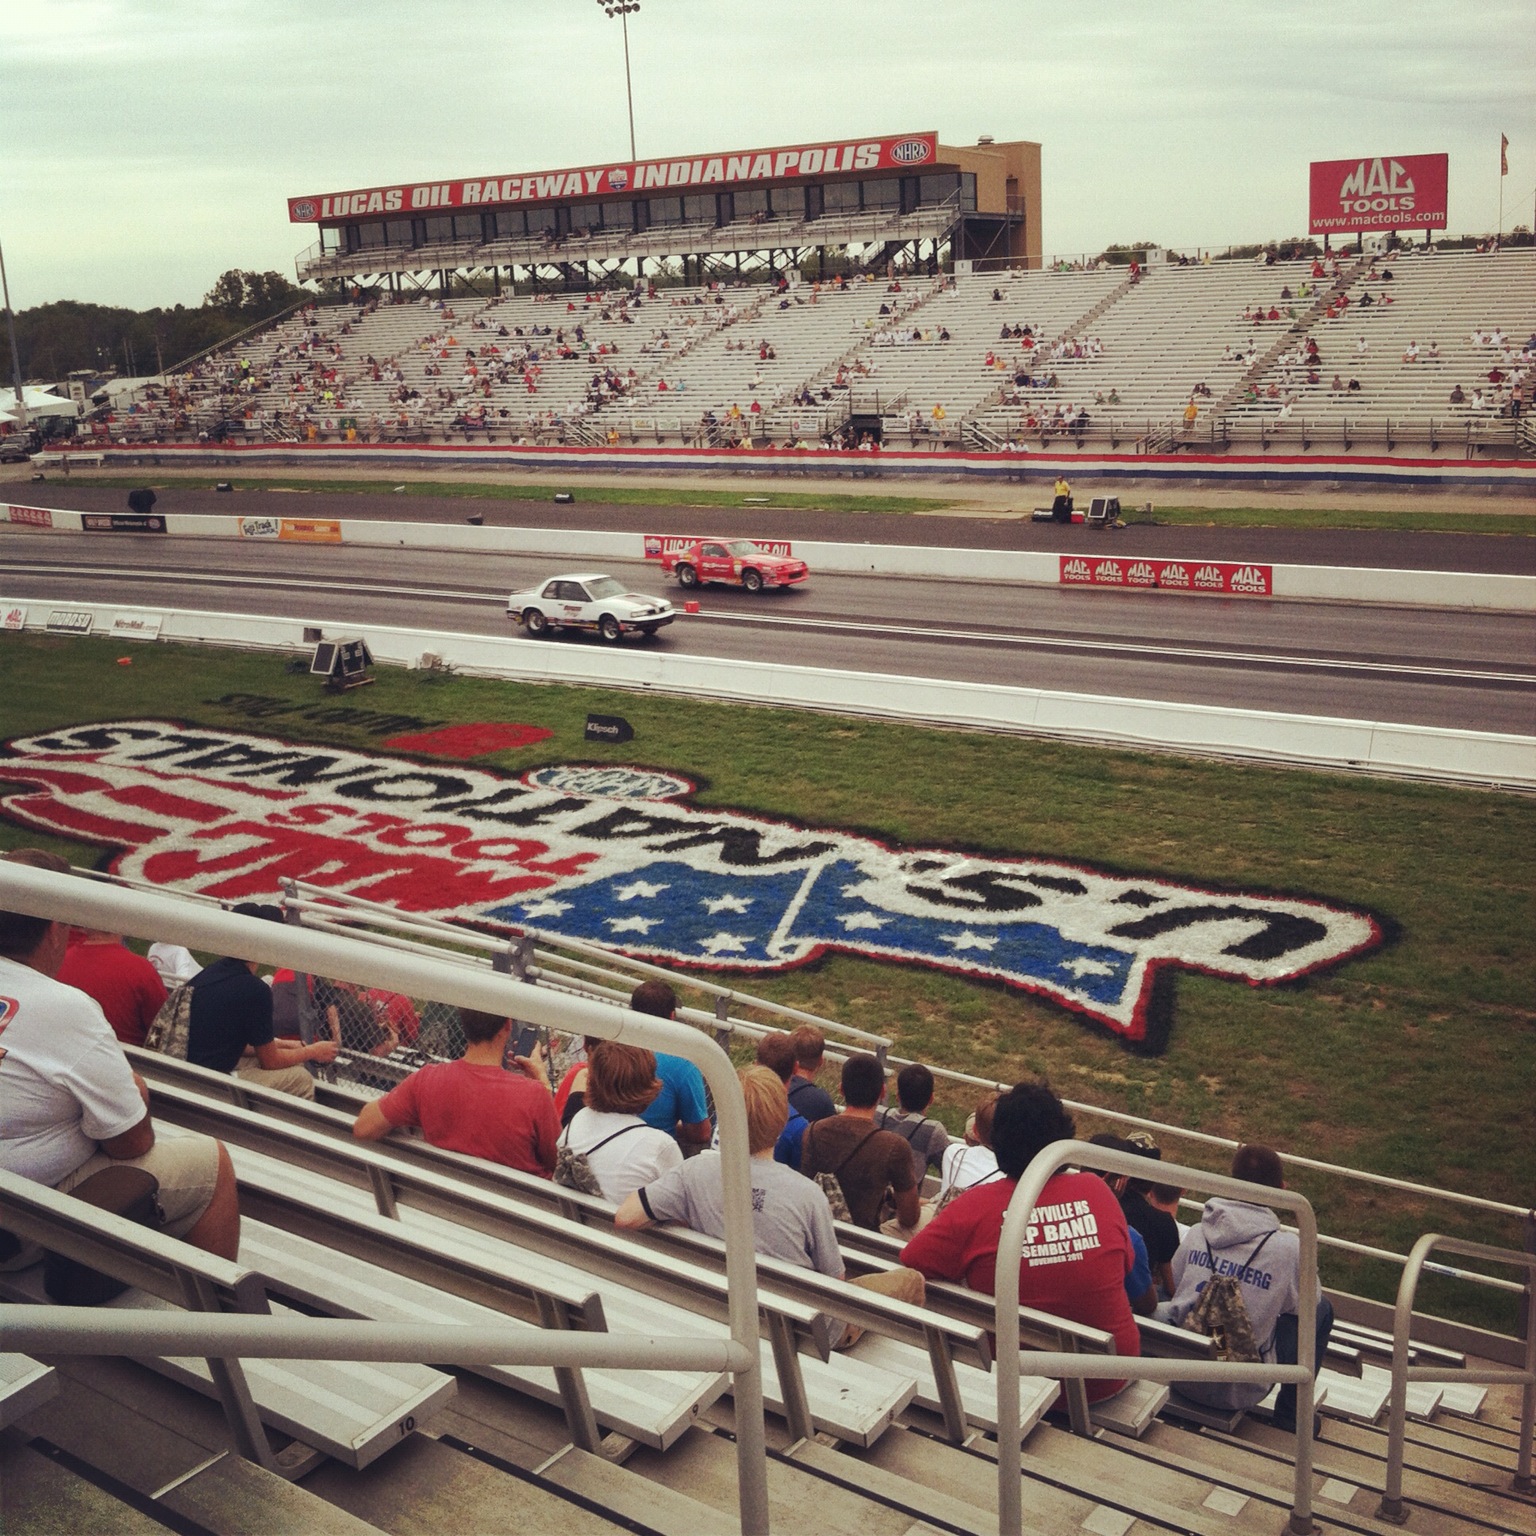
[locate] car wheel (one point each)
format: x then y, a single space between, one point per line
610 629
687 576
535 622
752 580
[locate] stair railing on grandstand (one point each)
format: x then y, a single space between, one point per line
1392 1507
1075 1367
97 904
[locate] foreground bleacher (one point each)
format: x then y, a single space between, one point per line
898 1435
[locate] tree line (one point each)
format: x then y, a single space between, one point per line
57 339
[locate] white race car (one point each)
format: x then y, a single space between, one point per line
587 601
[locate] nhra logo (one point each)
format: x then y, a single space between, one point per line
617 856
618 180
303 211
910 152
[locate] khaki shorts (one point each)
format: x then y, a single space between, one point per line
294 1080
186 1165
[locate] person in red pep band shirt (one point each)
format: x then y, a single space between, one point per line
1077 1248
126 985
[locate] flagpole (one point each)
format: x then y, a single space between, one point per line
10 324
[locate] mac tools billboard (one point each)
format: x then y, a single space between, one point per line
1381 192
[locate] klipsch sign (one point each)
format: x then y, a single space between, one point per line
618 855
1383 192
744 167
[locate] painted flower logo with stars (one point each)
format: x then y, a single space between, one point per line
617 856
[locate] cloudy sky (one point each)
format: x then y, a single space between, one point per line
148 145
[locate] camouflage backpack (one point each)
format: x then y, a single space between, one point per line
572 1168
170 1027
829 1183
1221 1314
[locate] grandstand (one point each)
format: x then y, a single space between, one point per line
901 1434
908 358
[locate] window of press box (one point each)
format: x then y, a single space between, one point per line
968 191
370 235
883 193
438 229
506 224
332 237
700 210
933 190
663 210
840 197
748 203
398 232
586 215
620 216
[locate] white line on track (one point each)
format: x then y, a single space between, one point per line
1119 647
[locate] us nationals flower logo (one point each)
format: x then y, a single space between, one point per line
619 856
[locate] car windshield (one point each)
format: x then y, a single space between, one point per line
605 586
743 547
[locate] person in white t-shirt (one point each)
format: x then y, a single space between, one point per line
622 1151
972 1161
70 1105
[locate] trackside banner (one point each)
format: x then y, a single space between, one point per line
621 855
900 152
1380 192
1217 577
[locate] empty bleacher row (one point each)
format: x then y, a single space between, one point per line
897 1432
1105 359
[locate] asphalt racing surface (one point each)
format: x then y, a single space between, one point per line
1413 666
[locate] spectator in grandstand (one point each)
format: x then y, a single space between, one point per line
473 1105
609 1130
776 1051
971 1160
1165 1198
70 1106
173 963
1247 1243
791 1220
927 1139
681 1108
1191 412
1139 1289
1159 1231
350 1021
1077 1249
869 1164
805 1095
126 985
230 1024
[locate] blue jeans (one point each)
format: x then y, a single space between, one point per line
1285 1354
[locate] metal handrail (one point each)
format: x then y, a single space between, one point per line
69 899
1392 1506
1074 1367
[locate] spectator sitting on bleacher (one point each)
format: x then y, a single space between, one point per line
126 985
681 1108
70 1106
1077 1248
474 1105
230 1028
791 1219
805 1095
1139 1289
868 1163
970 1161
621 1149
927 1139
1247 1243
776 1051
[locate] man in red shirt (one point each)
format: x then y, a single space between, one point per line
127 987
475 1105
1077 1249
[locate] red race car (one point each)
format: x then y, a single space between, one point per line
737 561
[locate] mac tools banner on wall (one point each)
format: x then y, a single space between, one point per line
1380 192
618 855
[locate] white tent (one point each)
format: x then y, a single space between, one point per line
39 402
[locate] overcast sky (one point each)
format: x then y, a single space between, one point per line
148 145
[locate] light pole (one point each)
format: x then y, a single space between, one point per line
10 322
621 9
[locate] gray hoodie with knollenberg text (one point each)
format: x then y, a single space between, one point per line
1269 1279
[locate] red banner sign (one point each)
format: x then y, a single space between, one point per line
1381 192
1215 577
903 152
30 517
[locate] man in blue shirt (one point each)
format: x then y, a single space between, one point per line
681 1109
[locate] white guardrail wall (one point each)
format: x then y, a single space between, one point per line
1315 741
1357 584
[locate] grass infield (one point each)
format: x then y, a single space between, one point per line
1418 1060
757 497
